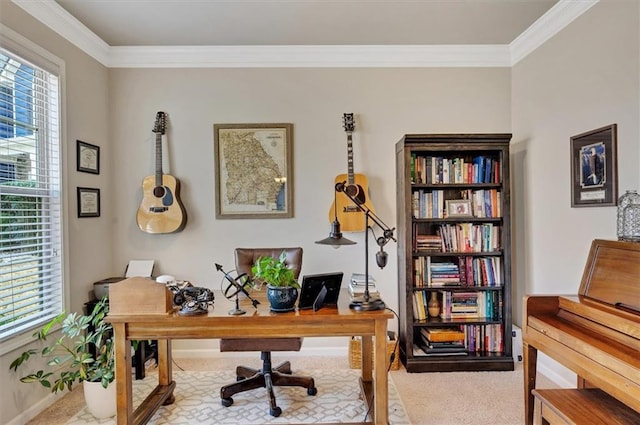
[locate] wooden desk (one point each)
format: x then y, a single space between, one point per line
217 323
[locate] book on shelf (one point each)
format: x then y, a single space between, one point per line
460 305
442 334
484 338
448 344
419 306
420 350
453 348
431 243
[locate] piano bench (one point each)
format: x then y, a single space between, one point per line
581 406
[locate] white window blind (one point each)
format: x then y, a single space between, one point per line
31 284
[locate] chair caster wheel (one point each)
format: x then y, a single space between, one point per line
312 391
275 412
226 402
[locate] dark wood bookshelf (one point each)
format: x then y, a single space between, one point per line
432 149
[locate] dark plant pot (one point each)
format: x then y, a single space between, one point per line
282 298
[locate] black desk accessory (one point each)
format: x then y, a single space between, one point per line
193 300
239 284
318 290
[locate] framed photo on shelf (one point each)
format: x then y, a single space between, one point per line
459 208
87 157
594 168
88 202
253 170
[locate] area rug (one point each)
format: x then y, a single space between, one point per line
197 397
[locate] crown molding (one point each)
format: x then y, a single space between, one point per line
66 25
336 56
366 56
552 22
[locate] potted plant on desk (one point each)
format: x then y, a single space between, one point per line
84 352
282 286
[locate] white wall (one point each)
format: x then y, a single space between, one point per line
387 102
89 240
584 78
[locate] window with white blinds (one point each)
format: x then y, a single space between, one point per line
31 283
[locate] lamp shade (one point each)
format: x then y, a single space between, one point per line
335 236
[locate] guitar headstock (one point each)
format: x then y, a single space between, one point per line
161 122
348 123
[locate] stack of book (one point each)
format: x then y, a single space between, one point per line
459 305
357 285
442 341
428 243
444 274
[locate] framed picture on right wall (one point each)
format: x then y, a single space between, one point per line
594 168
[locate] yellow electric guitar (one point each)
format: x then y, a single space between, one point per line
350 216
161 210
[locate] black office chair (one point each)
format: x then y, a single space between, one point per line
268 376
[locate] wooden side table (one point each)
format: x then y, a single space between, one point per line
581 406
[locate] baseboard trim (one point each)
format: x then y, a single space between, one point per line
36 409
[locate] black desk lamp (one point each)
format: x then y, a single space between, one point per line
335 238
365 302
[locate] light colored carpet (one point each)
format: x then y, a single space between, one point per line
198 401
454 398
464 398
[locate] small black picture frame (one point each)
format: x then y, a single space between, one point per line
88 202
87 157
594 168
319 290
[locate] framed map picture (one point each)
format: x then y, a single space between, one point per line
253 170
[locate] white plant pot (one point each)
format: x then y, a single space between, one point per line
101 402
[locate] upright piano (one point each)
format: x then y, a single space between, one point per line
596 333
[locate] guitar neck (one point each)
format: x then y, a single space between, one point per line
158 159
350 175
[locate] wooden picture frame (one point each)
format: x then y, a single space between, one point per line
594 168
88 202
459 208
253 170
87 157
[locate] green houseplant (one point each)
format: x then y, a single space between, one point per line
83 352
282 286
274 272
70 356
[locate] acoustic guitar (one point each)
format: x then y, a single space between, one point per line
161 210
350 216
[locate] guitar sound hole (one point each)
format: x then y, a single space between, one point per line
158 191
351 189
357 192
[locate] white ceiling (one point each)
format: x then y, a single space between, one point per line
305 22
306 33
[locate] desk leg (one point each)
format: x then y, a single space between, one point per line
380 383
165 371
530 358
124 391
366 355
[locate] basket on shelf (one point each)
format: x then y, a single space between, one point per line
355 352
